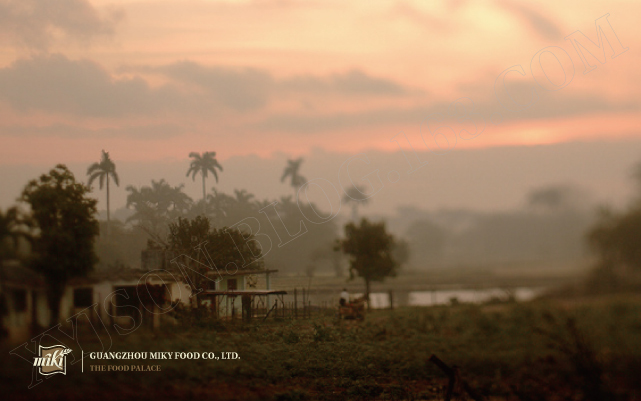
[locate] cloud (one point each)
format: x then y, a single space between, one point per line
539 23
140 131
423 19
35 23
354 82
545 105
246 89
239 89
54 83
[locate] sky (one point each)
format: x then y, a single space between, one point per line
262 81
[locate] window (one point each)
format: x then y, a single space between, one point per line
82 297
232 284
20 300
127 301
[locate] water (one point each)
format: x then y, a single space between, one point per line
444 297
380 300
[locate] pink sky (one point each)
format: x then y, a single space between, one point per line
154 80
151 81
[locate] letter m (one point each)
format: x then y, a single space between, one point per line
582 43
39 362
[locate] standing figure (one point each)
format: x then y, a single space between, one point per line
344 297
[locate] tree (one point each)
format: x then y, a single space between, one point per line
296 180
228 249
615 239
66 230
203 165
156 205
370 249
10 231
356 197
103 170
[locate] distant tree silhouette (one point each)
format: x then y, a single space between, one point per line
292 171
355 197
243 197
426 242
103 170
154 206
204 164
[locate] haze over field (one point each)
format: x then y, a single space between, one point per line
489 179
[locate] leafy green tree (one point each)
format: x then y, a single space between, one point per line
9 231
228 249
370 249
203 164
66 230
102 171
292 171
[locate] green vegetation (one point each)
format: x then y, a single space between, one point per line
371 252
66 228
199 248
546 350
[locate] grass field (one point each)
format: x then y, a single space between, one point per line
579 349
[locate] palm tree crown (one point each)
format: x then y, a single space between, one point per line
356 197
203 165
291 171
103 170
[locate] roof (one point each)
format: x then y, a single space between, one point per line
240 272
127 274
244 292
15 274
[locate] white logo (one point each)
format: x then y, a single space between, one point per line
52 360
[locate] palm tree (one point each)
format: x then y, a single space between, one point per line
103 170
157 204
204 164
291 170
243 198
356 198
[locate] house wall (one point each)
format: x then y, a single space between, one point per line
19 321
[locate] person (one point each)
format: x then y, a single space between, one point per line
344 297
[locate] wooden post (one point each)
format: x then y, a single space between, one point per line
454 376
295 304
246 304
391 300
268 286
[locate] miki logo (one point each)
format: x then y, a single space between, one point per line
52 360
